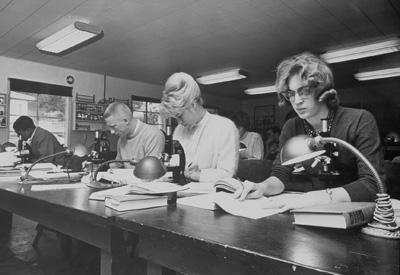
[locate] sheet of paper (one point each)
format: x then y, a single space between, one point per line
251 208
199 188
205 201
44 187
155 187
101 195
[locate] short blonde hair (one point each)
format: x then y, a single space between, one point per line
179 92
315 72
120 109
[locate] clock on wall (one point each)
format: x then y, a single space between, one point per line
70 79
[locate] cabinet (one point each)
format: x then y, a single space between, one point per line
88 115
3 110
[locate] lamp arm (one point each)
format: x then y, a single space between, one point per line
356 152
111 161
46 157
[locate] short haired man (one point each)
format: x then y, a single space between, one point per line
41 141
136 139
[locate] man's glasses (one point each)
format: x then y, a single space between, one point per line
302 92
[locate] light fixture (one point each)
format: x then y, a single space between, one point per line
301 148
223 76
260 90
384 73
365 50
69 37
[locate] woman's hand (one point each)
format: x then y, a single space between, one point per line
192 172
249 190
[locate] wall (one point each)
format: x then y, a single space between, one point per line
89 84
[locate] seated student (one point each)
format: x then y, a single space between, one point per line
41 141
306 82
136 139
272 142
210 142
252 141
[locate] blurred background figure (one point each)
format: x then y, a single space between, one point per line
272 142
252 145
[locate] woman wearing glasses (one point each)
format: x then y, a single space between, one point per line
306 83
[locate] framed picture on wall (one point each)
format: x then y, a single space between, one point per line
264 117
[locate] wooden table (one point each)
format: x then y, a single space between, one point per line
66 210
197 241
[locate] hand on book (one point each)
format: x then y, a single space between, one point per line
241 190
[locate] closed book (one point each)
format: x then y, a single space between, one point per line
335 215
133 202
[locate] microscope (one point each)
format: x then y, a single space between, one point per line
174 156
100 147
325 165
23 151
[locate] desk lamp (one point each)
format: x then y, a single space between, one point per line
79 150
94 183
302 147
147 169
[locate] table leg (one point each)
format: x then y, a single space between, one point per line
5 222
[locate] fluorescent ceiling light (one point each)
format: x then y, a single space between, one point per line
385 73
366 50
69 37
260 90
223 76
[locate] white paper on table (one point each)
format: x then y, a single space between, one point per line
204 201
101 195
44 187
250 208
396 208
199 188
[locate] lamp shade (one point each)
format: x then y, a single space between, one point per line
149 168
297 149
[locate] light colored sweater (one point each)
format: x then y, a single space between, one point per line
213 144
254 145
147 140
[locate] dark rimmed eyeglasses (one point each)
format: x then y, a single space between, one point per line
302 92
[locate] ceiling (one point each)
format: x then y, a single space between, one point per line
148 40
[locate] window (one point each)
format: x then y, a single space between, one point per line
147 110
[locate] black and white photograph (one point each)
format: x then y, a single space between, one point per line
199 137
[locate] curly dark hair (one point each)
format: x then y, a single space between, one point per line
315 72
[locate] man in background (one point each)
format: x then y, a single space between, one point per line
252 141
42 143
136 139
